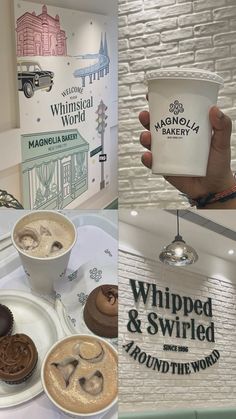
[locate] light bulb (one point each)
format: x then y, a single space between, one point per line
179 251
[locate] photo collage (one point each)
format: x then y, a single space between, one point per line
118 209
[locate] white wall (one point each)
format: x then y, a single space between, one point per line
144 389
10 156
9 103
165 33
9 120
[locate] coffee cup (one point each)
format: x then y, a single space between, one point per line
179 104
79 376
44 240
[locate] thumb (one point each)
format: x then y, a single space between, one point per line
222 128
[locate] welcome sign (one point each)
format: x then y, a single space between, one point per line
170 316
73 112
64 83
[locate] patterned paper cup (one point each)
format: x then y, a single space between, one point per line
42 272
179 104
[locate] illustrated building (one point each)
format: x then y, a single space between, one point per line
40 35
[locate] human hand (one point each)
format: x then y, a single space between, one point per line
219 176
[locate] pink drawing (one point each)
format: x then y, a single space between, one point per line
40 35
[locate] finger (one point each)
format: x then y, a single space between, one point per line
145 119
222 127
145 139
147 159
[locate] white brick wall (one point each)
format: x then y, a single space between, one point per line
164 33
143 389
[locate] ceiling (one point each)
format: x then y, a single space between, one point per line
105 7
201 237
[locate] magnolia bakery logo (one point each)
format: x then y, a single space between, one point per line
176 126
185 323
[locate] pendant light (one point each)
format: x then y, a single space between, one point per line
178 253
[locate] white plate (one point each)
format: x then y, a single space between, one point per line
38 319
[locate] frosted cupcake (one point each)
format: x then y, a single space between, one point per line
101 311
6 321
18 358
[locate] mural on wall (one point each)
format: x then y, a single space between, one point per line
101 66
57 91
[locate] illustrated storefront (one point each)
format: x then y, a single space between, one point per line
55 170
177 324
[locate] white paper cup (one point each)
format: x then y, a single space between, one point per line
43 272
179 104
94 415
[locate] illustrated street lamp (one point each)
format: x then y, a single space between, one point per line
101 120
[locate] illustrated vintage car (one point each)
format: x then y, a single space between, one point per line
31 77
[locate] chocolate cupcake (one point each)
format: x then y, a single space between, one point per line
18 358
6 321
101 311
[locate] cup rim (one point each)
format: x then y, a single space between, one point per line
43 258
182 73
69 412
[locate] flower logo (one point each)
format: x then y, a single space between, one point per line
108 252
95 274
73 321
62 274
73 276
82 297
176 107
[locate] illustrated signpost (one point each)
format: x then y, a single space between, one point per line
96 151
